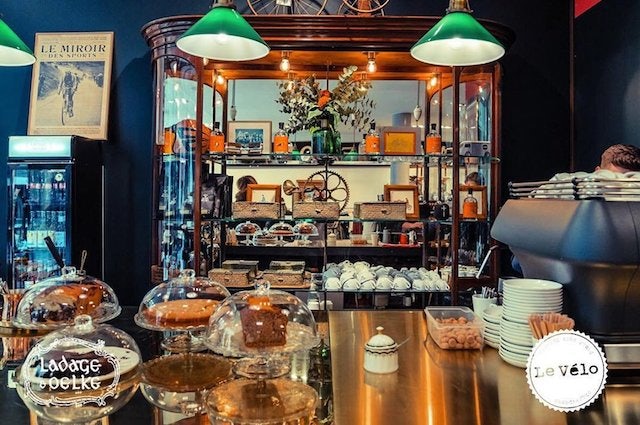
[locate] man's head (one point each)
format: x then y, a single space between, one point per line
620 159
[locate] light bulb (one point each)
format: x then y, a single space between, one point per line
221 39
285 66
220 79
371 66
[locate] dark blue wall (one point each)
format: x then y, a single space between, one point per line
607 63
535 104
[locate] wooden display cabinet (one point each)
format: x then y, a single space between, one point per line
318 44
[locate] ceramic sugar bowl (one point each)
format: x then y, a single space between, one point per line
381 353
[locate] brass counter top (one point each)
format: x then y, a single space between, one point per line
434 386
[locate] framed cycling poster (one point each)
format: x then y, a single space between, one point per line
70 84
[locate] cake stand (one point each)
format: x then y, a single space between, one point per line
80 373
178 383
261 328
281 230
181 306
56 302
304 230
248 230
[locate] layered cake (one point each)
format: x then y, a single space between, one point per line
281 229
246 228
306 228
181 313
64 302
263 324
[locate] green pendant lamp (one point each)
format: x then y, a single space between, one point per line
13 52
223 34
457 40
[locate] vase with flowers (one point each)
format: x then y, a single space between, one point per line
320 110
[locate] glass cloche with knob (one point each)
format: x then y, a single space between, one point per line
263 326
182 305
79 373
56 302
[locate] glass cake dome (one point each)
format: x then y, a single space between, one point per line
182 304
304 228
263 326
179 382
79 373
274 402
56 302
247 228
281 229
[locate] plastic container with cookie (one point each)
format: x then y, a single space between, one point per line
263 326
79 373
182 305
56 302
455 328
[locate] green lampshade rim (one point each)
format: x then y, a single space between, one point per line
458 25
223 19
13 51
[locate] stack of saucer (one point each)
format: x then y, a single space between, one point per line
492 316
521 298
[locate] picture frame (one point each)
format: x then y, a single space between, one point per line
268 193
478 192
249 137
404 192
300 195
400 141
70 84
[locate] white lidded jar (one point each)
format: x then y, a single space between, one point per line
381 353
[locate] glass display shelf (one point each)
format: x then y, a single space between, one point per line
280 159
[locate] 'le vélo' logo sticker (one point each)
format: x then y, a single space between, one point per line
566 370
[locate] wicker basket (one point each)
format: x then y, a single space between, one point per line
380 210
235 278
316 209
286 278
277 265
266 210
251 265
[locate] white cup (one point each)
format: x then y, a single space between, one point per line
333 283
314 305
384 282
346 276
400 283
375 238
480 303
351 285
368 284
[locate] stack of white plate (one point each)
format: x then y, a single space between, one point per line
521 298
492 316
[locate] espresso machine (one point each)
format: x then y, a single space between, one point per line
584 234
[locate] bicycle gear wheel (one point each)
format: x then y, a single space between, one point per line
287 7
334 187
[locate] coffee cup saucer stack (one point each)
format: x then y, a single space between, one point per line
521 298
492 316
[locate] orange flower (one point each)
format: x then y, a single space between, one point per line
325 97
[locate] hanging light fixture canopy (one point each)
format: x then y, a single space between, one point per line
458 40
223 34
13 51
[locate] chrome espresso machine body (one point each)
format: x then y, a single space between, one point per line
584 234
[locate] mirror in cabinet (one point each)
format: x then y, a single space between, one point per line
405 93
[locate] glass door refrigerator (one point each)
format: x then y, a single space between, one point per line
56 190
